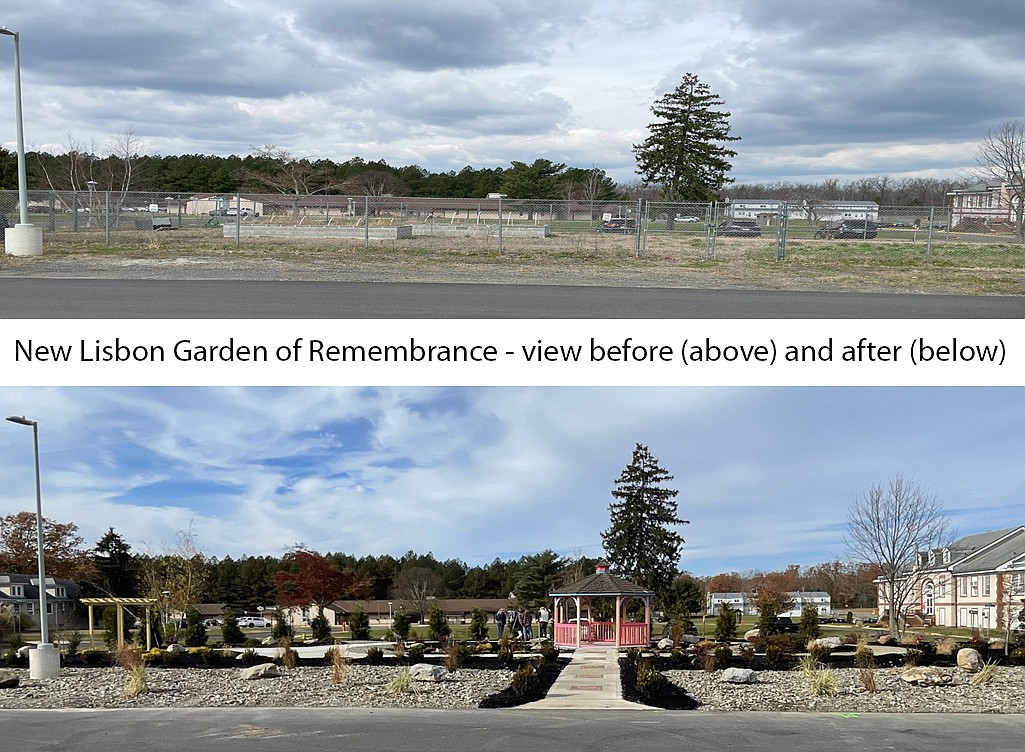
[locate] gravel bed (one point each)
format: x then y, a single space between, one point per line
364 686
790 691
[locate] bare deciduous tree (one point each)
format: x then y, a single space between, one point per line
1001 158
418 585
887 527
286 173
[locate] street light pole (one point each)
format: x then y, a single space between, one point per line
24 239
47 663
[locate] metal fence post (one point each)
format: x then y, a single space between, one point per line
928 236
238 219
53 206
366 222
500 250
106 217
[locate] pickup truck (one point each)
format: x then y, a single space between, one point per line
785 624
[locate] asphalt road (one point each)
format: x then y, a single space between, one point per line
213 299
333 729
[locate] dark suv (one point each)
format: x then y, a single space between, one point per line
849 228
618 224
739 228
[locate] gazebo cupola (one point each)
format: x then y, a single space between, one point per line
574 614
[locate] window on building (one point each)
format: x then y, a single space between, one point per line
17 591
61 592
962 587
985 585
30 608
928 602
49 607
941 589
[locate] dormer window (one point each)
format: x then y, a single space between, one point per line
17 591
946 556
932 558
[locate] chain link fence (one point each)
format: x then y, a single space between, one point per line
748 230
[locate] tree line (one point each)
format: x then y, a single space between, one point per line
182 575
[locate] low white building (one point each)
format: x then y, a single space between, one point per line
768 210
745 602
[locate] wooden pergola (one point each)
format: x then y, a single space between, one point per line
582 629
148 603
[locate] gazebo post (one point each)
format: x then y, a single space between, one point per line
149 630
619 611
91 643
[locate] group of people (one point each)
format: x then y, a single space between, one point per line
520 624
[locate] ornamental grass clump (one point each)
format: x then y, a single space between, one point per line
985 675
824 681
131 660
867 679
401 683
340 666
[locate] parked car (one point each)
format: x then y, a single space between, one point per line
618 224
686 218
785 624
248 622
212 622
234 211
739 228
849 228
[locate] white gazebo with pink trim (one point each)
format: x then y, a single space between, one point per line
573 617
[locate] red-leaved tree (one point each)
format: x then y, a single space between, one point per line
310 578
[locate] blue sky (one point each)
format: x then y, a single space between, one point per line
861 89
765 475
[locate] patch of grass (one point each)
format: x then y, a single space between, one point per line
985 675
401 683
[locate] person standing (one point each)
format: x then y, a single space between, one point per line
526 620
500 621
512 622
542 621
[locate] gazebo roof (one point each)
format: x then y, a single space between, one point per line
602 583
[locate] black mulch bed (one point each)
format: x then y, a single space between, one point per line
671 697
508 698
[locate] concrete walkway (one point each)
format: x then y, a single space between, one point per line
589 682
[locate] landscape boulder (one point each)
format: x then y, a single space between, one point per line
427 672
690 639
752 634
9 680
259 671
969 659
832 643
665 644
925 676
740 676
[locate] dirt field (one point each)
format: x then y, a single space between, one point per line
580 259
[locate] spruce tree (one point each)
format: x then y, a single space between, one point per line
642 543
684 151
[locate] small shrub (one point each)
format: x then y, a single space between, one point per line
231 633
680 657
375 656
549 652
95 656
505 654
864 657
525 680
946 646
725 624
359 625
281 628
415 653
1017 657
867 678
722 657
319 628
651 682
775 656
400 683
194 635
74 640
633 656
455 656
913 657
252 643
437 622
808 627
402 623
250 657
818 652
478 624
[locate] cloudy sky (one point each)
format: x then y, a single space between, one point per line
765 475
878 87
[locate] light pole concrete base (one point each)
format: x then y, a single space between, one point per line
23 240
44 662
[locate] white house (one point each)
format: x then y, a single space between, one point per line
745 602
768 210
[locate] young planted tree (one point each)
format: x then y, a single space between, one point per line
642 542
887 527
726 624
808 627
684 152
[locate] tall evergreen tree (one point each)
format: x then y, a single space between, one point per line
685 151
642 542
117 570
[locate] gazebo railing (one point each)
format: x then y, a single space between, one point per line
631 634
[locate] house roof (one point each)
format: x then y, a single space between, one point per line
451 605
987 551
